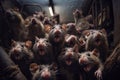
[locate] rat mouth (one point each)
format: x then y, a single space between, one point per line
41 51
57 35
57 38
86 66
98 42
18 56
68 62
46 78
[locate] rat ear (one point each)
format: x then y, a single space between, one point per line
63 51
86 32
76 48
81 41
28 44
33 68
79 55
68 37
64 26
47 28
36 39
13 43
103 31
54 66
96 52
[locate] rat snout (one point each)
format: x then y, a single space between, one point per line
16 50
40 46
46 74
83 60
57 32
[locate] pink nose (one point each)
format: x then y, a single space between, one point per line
81 42
57 32
69 55
82 61
98 36
45 74
40 46
15 50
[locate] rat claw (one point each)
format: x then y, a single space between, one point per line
98 74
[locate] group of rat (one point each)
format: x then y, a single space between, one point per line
44 49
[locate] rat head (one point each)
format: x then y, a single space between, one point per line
70 28
77 13
56 34
69 55
40 15
47 21
46 72
71 40
41 45
89 59
83 25
14 16
21 50
97 37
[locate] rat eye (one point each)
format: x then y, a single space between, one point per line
52 27
88 54
22 45
46 40
79 56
